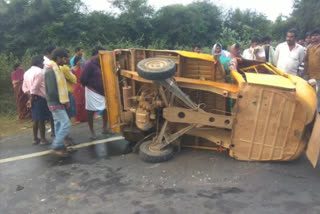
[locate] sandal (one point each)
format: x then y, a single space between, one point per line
107 133
36 142
44 143
71 150
68 141
62 153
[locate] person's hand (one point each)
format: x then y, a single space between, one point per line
29 104
30 100
67 105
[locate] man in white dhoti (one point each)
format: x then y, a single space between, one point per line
91 78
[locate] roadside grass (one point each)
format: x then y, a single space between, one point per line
11 125
9 122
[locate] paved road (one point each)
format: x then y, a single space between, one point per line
195 181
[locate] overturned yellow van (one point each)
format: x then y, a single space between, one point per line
161 99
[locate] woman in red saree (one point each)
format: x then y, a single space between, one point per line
20 97
79 92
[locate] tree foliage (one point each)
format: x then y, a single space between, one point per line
33 24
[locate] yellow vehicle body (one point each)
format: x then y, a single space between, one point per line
255 111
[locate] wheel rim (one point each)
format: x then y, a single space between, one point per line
156 64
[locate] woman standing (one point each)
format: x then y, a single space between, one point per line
20 97
79 92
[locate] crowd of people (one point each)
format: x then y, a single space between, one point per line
58 88
295 56
292 56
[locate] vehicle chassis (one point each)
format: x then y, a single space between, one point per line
255 111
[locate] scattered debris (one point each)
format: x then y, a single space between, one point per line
19 188
154 166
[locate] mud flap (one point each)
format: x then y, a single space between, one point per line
313 148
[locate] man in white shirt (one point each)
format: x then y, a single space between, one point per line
47 55
255 52
289 55
46 62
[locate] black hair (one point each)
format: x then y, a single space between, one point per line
255 39
16 65
77 49
237 45
96 50
294 31
49 49
36 60
77 59
59 52
308 34
266 39
197 46
315 31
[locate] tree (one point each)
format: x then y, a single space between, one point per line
134 21
306 14
187 25
247 24
37 23
281 26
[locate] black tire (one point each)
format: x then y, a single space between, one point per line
154 157
156 68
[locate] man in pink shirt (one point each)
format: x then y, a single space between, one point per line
33 85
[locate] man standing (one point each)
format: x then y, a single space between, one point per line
268 49
71 79
255 52
46 63
47 55
197 49
91 78
33 85
312 60
289 55
78 52
301 41
307 40
235 51
58 100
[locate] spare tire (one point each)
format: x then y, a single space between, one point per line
150 156
156 68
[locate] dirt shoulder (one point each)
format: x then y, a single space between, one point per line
11 125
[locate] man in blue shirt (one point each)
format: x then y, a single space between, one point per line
78 52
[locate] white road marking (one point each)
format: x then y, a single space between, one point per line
37 154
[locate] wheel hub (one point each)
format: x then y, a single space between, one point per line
156 64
